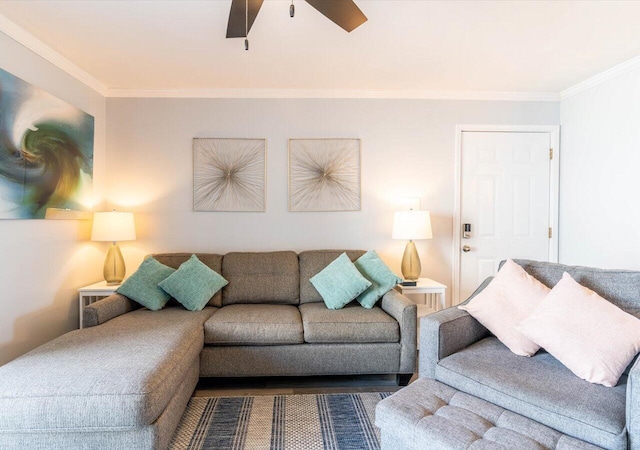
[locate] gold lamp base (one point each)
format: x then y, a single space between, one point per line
114 269
411 267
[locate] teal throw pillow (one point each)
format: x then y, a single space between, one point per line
142 285
339 282
193 284
381 277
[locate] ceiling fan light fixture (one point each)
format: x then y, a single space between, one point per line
243 13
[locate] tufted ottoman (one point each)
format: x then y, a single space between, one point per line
431 415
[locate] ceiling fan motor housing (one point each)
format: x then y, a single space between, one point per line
344 13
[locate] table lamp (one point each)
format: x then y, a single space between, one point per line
411 225
113 226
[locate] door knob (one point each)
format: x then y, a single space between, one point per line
466 248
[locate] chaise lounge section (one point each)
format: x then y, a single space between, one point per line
123 384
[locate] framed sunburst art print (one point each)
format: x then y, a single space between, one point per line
324 175
229 174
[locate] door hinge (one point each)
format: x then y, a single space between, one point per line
550 153
550 232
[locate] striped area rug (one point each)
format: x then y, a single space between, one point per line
291 422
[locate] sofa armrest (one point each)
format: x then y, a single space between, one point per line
404 311
446 332
633 406
106 309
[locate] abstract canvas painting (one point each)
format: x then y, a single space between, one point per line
46 152
324 175
229 174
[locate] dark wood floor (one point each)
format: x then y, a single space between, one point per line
241 387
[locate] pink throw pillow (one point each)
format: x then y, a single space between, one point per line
591 336
510 297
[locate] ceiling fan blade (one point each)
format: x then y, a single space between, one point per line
344 13
237 26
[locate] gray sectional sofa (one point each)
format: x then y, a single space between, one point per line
475 393
124 381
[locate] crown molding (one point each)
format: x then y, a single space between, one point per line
28 40
602 77
335 94
41 49
34 44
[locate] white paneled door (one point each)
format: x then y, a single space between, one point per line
506 202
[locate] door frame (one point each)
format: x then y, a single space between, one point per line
554 189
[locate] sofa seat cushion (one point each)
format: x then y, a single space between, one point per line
254 325
431 415
122 373
540 388
351 324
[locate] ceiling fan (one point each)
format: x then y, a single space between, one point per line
344 13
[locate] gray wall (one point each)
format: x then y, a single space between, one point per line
599 182
43 262
407 151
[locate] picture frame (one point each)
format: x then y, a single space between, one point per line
229 174
325 175
46 163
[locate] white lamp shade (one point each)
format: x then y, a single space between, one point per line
411 225
113 226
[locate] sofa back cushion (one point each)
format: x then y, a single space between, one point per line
261 278
211 260
311 263
620 287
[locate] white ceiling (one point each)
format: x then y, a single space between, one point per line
506 46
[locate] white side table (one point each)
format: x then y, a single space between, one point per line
93 293
435 298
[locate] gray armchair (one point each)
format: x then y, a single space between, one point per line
458 351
